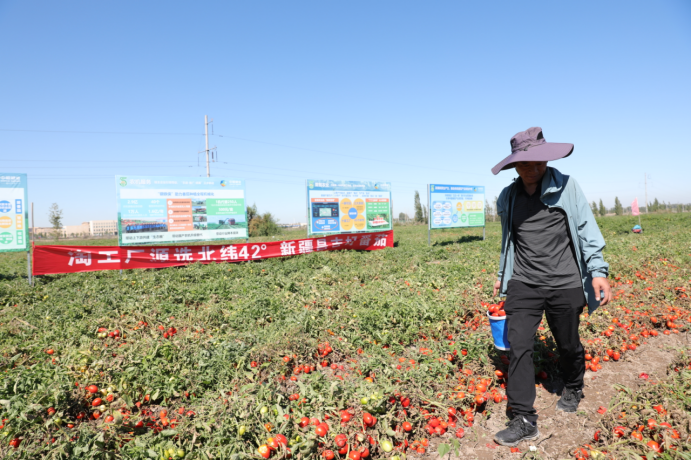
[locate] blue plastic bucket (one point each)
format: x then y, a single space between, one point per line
499 331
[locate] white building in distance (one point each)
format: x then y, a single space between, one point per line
91 228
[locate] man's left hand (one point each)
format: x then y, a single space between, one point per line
601 284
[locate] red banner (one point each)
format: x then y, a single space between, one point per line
48 260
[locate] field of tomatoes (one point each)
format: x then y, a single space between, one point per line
332 355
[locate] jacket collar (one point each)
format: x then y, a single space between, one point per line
552 181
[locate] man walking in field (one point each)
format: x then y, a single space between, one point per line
551 262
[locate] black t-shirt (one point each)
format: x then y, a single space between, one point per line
544 256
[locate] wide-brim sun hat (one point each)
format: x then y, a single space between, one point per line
530 145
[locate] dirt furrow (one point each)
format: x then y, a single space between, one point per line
561 433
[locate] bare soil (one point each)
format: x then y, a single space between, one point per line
561 433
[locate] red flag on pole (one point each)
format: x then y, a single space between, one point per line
634 208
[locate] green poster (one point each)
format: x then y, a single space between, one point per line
225 206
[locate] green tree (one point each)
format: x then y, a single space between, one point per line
425 214
655 206
593 205
402 217
55 218
602 210
618 208
251 213
419 217
264 225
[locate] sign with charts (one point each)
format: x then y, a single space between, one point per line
14 212
453 206
348 206
179 209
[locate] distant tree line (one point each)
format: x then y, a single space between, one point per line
655 206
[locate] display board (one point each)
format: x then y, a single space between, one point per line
179 209
348 206
14 212
453 206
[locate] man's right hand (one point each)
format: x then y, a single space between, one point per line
497 286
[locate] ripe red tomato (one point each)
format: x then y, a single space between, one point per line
97 402
328 454
92 389
320 430
407 426
281 440
50 351
341 440
304 421
368 419
264 451
354 455
654 446
109 419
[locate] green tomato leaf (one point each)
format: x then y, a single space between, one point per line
443 449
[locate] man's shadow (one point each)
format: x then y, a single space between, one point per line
461 240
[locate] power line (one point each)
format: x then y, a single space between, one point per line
417 166
102 161
98 132
354 156
312 172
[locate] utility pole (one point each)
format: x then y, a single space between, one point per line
645 179
206 132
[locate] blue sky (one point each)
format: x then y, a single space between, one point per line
409 92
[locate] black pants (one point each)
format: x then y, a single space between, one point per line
524 307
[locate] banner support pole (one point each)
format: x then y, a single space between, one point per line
429 220
483 232
28 266
307 202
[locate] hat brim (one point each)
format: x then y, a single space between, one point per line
549 151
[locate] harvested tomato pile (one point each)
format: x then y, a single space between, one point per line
332 355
